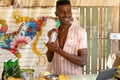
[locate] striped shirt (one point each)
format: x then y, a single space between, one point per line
76 39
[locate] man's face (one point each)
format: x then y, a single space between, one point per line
64 14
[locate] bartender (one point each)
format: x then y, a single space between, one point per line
68 54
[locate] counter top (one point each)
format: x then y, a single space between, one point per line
82 77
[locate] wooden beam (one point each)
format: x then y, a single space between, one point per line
73 2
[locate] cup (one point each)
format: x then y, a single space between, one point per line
53 36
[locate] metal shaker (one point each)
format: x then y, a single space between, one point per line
53 36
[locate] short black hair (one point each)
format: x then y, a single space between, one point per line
62 2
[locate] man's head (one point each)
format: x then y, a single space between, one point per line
62 2
63 11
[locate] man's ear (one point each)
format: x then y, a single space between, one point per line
55 13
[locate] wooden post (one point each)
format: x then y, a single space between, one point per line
115 28
100 37
119 27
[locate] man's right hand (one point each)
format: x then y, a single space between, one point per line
50 32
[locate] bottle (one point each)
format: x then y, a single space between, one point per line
4 75
53 36
15 68
6 69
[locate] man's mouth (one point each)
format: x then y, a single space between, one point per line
69 20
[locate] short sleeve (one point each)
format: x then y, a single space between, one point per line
82 39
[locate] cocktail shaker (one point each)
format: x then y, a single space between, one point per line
53 36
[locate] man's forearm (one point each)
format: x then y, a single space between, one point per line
78 60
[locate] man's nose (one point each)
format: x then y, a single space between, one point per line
65 14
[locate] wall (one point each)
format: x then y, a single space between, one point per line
28 59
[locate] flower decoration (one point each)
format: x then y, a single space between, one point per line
19 41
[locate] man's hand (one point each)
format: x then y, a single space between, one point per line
50 32
52 46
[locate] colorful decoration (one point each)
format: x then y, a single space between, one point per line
40 22
4 27
28 29
26 32
34 44
19 41
18 18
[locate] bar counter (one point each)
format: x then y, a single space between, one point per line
82 77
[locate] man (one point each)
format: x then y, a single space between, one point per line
69 53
